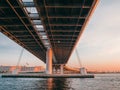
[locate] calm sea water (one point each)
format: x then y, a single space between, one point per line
100 82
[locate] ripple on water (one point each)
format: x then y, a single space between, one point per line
100 82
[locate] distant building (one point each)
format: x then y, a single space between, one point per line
32 69
9 69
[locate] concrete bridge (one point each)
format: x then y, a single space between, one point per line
49 29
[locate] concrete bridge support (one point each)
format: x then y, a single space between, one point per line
49 61
61 69
58 69
83 71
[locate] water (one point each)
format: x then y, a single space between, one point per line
100 82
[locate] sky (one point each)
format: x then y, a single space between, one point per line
98 47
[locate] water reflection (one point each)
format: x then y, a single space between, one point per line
50 84
36 84
100 82
57 84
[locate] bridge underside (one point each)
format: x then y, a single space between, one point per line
63 22
15 23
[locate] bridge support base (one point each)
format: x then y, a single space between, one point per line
49 61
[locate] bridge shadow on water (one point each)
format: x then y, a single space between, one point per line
36 84
56 84
100 82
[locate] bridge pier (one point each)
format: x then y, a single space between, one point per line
83 71
49 61
58 68
61 69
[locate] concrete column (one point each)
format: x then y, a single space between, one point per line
83 71
49 61
15 71
61 69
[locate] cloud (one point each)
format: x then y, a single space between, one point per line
103 27
100 41
6 42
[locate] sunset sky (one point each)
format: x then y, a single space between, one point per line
98 47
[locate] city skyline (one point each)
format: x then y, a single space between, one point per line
98 48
